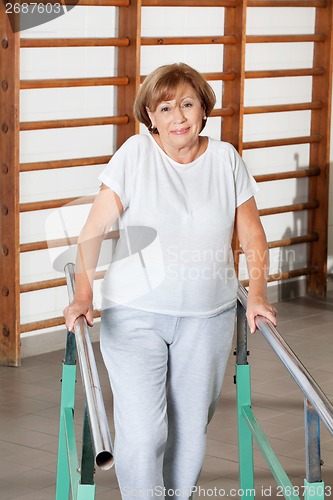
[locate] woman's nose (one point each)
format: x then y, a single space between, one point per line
179 115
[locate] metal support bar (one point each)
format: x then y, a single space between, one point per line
88 459
312 443
241 349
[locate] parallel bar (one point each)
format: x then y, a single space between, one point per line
73 162
272 143
73 82
291 174
97 417
76 122
280 108
319 37
282 73
308 385
188 40
30 43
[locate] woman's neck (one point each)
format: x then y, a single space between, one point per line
185 154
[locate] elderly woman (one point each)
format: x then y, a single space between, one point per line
170 292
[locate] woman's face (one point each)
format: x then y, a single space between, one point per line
179 120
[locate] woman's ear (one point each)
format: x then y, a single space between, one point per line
148 112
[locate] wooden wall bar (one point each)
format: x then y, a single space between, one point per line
129 64
320 151
9 194
233 75
30 43
76 122
73 162
280 73
73 82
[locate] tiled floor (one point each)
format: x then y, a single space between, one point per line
29 406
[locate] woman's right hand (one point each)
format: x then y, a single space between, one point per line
78 308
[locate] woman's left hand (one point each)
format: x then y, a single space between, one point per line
258 305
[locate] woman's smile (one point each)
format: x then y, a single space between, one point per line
180 131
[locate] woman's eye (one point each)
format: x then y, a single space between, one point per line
165 108
187 104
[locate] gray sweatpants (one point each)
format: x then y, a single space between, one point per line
166 375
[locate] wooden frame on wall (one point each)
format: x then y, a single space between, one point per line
129 42
9 193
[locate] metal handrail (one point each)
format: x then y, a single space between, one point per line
302 377
101 438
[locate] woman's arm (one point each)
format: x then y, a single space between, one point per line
254 245
104 212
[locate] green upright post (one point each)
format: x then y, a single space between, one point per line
86 492
245 440
315 491
67 401
243 389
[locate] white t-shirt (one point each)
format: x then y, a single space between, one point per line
174 252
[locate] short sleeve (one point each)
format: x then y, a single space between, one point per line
245 185
118 173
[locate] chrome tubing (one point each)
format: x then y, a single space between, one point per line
101 438
302 377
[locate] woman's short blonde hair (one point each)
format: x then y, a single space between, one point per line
161 85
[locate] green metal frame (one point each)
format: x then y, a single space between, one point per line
73 481
249 428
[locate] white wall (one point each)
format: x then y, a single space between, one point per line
100 101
